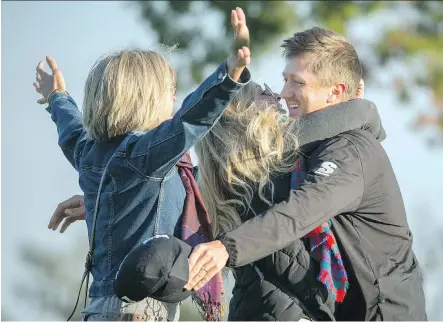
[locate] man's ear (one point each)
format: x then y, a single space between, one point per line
337 93
361 89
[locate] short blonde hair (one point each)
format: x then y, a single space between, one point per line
331 57
127 91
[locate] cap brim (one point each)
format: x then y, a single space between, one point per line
174 297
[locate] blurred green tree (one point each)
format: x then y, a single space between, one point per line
57 277
415 39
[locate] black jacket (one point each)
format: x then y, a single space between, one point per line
283 286
349 180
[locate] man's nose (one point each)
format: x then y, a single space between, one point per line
285 93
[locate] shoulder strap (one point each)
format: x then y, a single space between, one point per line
88 262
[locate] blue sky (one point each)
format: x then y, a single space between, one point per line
35 174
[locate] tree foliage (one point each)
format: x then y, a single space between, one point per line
56 277
416 38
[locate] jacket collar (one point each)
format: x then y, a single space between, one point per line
318 126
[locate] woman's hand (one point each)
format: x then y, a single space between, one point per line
70 210
241 56
45 84
205 261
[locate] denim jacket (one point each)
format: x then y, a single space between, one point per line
142 193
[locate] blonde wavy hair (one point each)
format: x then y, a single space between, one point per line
251 141
127 91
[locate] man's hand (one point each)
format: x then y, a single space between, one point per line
205 261
45 84
241 56
70 210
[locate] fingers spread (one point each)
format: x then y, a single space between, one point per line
37 87
41 66
41 72
52 63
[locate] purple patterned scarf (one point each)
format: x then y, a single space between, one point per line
196 229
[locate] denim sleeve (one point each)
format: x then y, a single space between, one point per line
71 133
154 153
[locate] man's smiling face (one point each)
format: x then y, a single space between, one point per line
301 92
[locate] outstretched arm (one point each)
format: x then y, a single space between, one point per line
333 185
63 109
155 153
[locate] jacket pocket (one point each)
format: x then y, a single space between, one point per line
401 296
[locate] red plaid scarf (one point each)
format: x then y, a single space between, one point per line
324 248
196 229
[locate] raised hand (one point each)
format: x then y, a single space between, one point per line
45 84
241 31
241 55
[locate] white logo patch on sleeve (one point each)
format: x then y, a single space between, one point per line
326 169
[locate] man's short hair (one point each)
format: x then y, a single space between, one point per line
332 58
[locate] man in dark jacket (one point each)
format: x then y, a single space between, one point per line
349 181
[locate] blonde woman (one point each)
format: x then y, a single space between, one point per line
126 146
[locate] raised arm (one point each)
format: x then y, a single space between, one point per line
155 152
63 109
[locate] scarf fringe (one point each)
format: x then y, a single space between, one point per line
209 310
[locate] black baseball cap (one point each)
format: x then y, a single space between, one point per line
158 268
